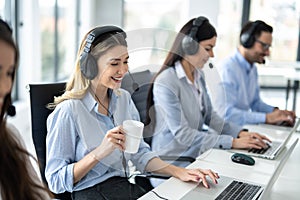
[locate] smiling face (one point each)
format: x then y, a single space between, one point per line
7 67
260 49
112 66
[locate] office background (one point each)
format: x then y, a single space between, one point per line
48 33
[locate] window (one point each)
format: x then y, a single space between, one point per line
163 18
283 16
228 28
58 38
2 4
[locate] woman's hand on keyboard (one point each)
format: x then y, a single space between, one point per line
248 140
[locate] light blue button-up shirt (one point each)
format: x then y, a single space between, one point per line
240 102
75 128
180 117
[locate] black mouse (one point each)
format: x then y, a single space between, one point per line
242 159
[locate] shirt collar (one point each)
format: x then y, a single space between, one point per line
181 73
243 62
179 70
90 102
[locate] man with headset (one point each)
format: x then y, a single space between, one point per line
239 101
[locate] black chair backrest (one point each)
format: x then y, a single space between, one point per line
139 96
40 96
43 94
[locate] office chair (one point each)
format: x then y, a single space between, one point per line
40 96
139 96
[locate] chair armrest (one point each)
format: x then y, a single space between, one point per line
167 158
143 180
154 175
176 158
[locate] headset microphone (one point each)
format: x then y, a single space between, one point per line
135 85
11 110
263 61
210 65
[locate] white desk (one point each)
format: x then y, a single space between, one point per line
286 187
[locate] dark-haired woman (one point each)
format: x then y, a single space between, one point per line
179 104
18 179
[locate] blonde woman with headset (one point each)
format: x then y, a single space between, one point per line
86 142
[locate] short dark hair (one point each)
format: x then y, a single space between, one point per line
261 26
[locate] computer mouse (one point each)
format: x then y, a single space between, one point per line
242 159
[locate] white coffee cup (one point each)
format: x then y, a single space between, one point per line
134 133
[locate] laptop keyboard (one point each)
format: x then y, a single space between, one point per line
239 191
267 150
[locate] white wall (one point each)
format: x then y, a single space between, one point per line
205 8
100 12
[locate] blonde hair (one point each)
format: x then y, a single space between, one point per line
78 84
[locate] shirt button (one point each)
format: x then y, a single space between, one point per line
221 146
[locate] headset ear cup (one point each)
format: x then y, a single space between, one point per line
189 45
244 38
88 66
247 40
251 41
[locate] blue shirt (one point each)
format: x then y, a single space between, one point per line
240 102
179 117
75 128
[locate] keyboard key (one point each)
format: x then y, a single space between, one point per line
238 190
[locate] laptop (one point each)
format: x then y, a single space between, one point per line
230 188
273 149
282 126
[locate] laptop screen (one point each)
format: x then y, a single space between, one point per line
278 170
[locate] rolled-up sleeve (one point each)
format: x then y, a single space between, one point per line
143 156
60 150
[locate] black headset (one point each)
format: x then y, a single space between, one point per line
189 43
247 39
88 64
